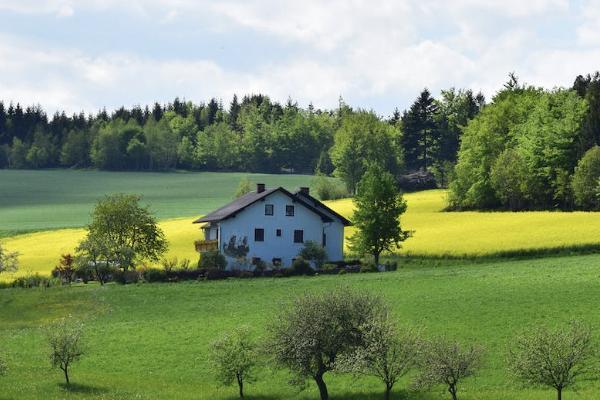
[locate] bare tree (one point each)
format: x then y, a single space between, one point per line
65 340
233 357
446 362
387 353
555 358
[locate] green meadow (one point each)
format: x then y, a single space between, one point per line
33 200
149 341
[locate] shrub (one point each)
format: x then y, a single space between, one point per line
84 272
33 281
246 274
329 269
301 267
212 260
65 270
212 274
391 265
126 277
369 267
314 253
154 275
342 272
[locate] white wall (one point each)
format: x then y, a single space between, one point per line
244 223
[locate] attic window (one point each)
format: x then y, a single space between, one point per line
289 211
268 209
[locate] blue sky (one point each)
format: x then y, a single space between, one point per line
87 54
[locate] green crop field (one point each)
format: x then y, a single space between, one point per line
149 341
38 200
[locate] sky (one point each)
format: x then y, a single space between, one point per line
83 55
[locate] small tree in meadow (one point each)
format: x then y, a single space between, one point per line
388 352
310 334
9 261
233 357
447 363
554 358
244 187
123 232
65 341
379 206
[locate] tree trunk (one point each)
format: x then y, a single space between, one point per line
66 371
322 387
388 392
241 386
452 390
376 257
559 393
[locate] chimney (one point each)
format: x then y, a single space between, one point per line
260 187
305 191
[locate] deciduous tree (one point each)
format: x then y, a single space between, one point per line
310 334
233 357
65 339
558 358
379 206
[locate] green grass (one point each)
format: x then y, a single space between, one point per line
41 200
150 341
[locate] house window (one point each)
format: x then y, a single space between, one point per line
299 236
289 211
277 262
259 235
324 239
278 232
268 209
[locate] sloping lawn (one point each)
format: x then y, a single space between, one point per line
149 341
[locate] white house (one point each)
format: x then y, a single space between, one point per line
272 225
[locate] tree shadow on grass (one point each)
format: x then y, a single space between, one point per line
255 397
84 389
396 395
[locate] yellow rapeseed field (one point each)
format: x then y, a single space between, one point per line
436 232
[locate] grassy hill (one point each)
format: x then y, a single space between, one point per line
150 341
38 200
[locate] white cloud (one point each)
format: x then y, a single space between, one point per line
360 49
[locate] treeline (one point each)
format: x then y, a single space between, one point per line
532 149
254 135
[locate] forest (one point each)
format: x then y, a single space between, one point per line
527 148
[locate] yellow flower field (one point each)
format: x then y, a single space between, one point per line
436 232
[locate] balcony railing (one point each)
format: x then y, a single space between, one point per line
206 245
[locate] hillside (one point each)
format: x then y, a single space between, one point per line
437 233
39 200
150 341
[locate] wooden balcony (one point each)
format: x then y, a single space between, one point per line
206 245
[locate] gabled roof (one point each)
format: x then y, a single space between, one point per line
239 204
318 204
